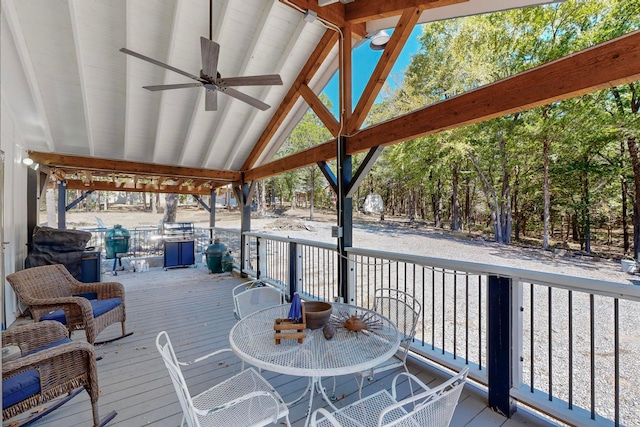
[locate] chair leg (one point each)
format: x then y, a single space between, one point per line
360 386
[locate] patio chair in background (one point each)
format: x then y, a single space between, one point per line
49 365
403 310
52 293
253 296
245 399
432 407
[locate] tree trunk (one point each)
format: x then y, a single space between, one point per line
154 204
586 211
171 209
546 193
51 208
492 201
312 195
635 162
436 203
455 201
411 207
106 200
467 203
519 217
262 201
624 188
505 208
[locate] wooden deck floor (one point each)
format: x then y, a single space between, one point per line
196 308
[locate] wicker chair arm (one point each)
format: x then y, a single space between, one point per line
104 290
68 304
57 365
35 335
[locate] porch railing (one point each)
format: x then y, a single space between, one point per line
573 342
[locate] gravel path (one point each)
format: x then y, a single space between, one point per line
395 237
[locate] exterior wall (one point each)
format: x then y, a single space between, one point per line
14 224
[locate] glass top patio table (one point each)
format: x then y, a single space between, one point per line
252 339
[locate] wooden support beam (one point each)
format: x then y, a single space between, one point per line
606 65
320 109
295 161
122 166
333 13
383 68
363 11
320 53
77 184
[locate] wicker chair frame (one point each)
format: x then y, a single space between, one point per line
62 368
51 287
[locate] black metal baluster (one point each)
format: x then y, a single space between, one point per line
593 356
550 340
570 349
531 337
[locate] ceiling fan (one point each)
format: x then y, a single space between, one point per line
210 78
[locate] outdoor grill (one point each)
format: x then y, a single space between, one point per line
179 244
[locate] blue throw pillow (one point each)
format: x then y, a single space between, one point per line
99 306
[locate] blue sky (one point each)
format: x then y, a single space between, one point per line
364 62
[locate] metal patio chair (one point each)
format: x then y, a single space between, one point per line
403 310
431 407
253 296
245 399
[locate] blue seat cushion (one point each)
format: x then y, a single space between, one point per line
20 387
99 306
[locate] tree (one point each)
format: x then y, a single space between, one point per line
171 208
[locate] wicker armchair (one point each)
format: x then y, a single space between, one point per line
50 365
51 293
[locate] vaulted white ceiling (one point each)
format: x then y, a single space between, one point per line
69 90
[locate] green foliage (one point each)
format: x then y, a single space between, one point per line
583 135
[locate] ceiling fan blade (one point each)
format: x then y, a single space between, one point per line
210 100
210 51
263 80
245 98
158 63
167 87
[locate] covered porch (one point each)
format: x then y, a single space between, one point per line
196 309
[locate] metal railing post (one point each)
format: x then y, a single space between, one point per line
293 269
500 348
262 258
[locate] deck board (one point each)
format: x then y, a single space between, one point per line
196 309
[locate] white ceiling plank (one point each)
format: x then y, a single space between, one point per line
294 41
9 11
74 26
248 57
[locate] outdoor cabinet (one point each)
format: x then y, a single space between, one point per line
179 244
179 253
91 266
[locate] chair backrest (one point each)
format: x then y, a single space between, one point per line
402 309
44 282
171 362
435 407
249 300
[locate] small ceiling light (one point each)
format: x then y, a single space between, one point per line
27 161
379 40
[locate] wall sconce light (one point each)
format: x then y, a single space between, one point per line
27 161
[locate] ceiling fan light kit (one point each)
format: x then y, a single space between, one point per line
211 79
